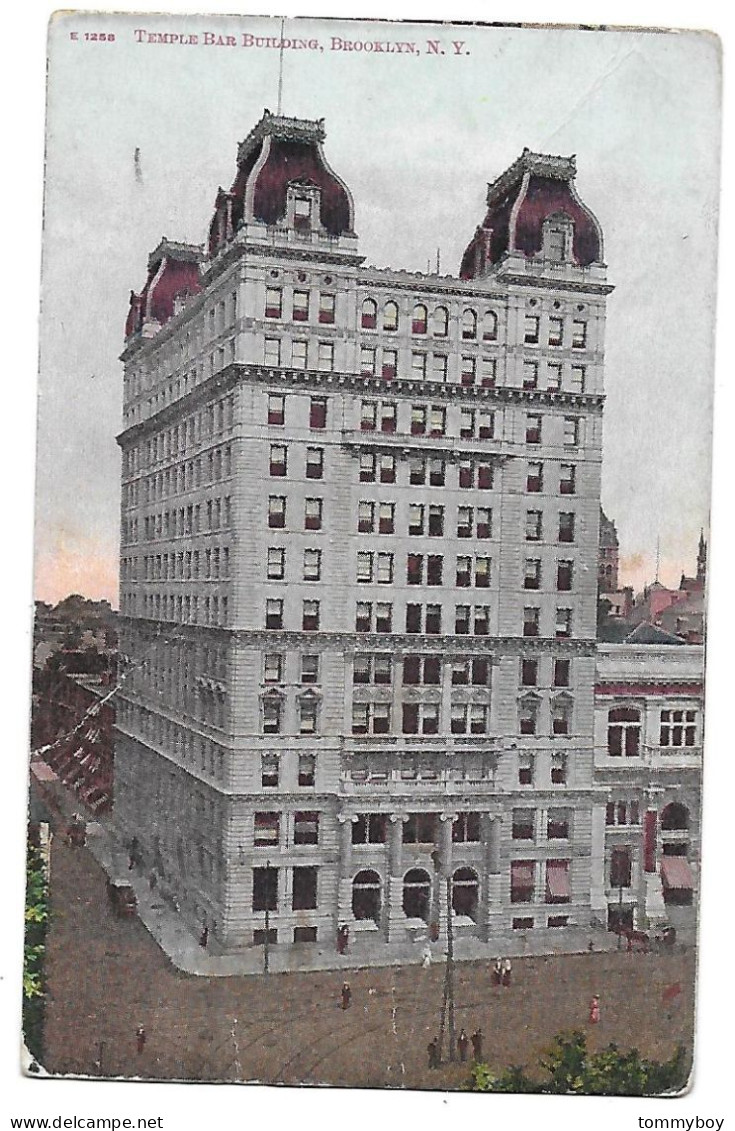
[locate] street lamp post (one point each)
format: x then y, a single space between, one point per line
267 936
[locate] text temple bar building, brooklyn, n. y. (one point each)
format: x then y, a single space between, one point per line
360 522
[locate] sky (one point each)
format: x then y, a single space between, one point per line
417 138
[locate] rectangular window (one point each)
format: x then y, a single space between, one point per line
367 361
266 831
312 514
579 334
272 710
301 306
384 616
273 302
436 521
530 375
306 828
524 824
678 728
416 519
488 369
468 371
462 620
272 667
535 478
484 524
434 569
437 421
439 364
415 569
368 467
531 619
481 623
317 413
312 565
388 416
309 669
531 324
563 628
389 367
529 672
577 379
522 881
486 425
307 716
307 769
325 357
276 408
463 574
567 479
533 428
416 471
265 889
276 566
534 526
621 868
553 376
564 573
556 331
302 213
272 351
326 308
482 572
465 522
274 613
418 365
277 466
566 526
368 416
314 463
466 476
387 469
561 673
276 511
418 420
571 431
384 572
303 892
310 616
558 768
365 567
299 354
467 423
364 616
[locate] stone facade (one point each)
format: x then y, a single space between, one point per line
360 530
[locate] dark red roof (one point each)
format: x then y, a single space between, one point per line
534 188
173 272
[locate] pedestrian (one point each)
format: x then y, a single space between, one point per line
476 1039
204 937
152 880
346 995
433 1051
343 937
426 957
498 972
507 971
595 1010
462 1045
140 1038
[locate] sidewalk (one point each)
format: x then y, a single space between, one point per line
184 951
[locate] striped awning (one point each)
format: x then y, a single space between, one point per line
557 879
676 873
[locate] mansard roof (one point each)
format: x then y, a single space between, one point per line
536 187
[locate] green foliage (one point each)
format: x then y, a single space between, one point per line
572 1070
36 923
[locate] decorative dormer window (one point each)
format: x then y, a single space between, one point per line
558 235
303 206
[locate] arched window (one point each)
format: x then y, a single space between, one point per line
419 319
465 891
440 322
489 326
366 895
390 316
675 816
369 316
624 732
417 894
469 325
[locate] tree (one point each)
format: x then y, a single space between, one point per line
36 923
572 1070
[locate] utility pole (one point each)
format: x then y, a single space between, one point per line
267 936
447 1010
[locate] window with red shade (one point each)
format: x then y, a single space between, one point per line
318 413
389 367
418 420
388 416
535 478
386 518
300 308
276 408
533 429
273 302
369 314
326 308
419 319
278 460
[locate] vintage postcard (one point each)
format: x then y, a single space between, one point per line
371 553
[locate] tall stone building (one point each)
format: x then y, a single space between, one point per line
360 529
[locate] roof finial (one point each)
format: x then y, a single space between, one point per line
658 557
